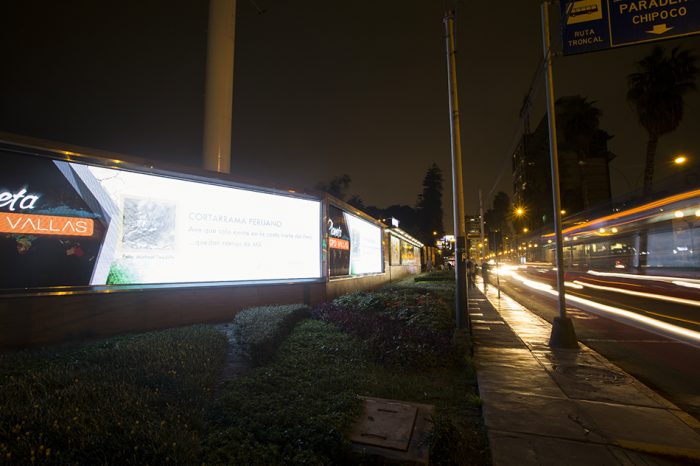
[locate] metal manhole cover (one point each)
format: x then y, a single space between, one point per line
385 423
592 374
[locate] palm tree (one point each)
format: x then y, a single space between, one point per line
579 120
656 92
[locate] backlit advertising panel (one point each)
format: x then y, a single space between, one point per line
71 224
395 245
409 254
354 244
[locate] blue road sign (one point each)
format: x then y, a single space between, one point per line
590 25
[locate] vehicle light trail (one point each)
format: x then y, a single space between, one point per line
657 278
686 284
635 210
641 294
683 334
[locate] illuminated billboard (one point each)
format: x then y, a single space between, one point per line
395 245
410 255
354 244
70 224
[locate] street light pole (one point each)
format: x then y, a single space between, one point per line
563 335
481 226
457 189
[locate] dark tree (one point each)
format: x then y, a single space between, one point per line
656 92
336 187
578 120
357 202
429 207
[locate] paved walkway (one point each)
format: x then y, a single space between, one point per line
566 407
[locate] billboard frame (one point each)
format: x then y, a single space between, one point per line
91 157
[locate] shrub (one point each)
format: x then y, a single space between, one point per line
260 330
438 276
415 307
407 328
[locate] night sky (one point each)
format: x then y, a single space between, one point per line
321 88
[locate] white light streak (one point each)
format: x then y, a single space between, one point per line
667 329
642 294
686 284
658 278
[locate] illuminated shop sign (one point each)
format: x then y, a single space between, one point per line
335 237
92 225
20 199
355 245
27 224
31 224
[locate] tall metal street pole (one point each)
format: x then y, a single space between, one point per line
563 335
218 100
481 226
457 188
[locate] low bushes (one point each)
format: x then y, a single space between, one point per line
135 399
402 327
260 330
437 276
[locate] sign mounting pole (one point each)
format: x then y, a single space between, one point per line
563 335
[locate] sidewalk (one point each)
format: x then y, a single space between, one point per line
566 407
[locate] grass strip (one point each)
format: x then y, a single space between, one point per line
135 399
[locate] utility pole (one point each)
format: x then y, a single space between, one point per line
218 99
457 188
481 225
563 335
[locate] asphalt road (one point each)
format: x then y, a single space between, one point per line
668 366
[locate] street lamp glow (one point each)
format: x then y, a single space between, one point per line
525 230
563 212
519 211
679 214
680 160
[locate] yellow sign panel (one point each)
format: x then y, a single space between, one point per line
582 11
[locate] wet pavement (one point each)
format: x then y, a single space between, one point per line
544 406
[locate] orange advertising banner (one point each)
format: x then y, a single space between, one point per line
30 224
337 243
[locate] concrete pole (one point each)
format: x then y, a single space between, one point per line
563 335
457 187
219 86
